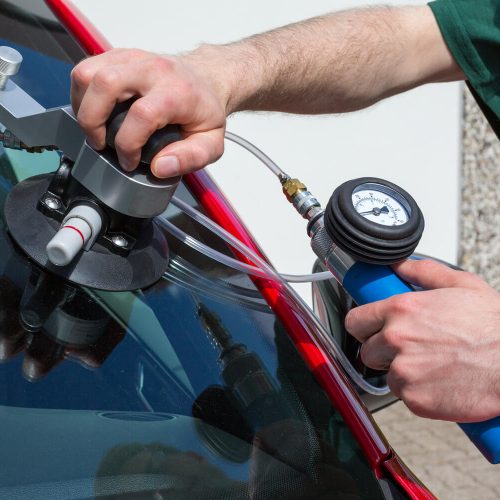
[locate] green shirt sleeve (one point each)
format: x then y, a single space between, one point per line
471 29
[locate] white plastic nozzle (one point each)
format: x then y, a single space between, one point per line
68 241
79 230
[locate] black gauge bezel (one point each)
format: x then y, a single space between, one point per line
366 240
345 192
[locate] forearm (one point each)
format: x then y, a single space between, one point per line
334 63
330 64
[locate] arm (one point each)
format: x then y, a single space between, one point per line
330 64
338 62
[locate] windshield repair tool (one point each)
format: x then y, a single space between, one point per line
368 225
89 222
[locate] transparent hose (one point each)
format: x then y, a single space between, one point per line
270 273
257 153
210 252
236 264
307 278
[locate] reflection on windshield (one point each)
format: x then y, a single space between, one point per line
174 392
189 389
52 321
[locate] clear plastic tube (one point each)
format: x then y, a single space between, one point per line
212 253
226 236
236 264
326 338
275 169
307 278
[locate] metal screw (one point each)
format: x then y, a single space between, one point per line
119 240
10 61
52 203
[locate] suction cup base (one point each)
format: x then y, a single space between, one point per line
97 268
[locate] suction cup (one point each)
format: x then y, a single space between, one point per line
97 268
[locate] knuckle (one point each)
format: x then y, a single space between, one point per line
166 101
404 304
393 383
398 372
144 111
82 74
84 120
391 336
428 265
106 79
125 145
415 401
161 63
186 87
135 53
372 358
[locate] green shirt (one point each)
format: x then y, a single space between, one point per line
471 29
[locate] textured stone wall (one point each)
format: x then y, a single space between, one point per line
480 222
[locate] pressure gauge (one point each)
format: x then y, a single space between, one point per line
374 220
380 204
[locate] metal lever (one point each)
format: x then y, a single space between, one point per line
136 194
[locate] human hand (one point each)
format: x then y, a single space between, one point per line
176 90
441 346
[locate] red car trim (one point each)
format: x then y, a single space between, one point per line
415 489
324 366
91 41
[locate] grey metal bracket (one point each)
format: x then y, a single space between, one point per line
137 194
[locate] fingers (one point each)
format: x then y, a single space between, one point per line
363 321
145 116
429 275
377 353
192 153
169 91
108 87
84 72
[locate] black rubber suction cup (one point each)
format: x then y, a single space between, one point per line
374 221
99 267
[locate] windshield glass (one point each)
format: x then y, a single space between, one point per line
190 388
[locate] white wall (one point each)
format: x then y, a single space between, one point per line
412 139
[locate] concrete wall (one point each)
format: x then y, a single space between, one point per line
480 221
412 139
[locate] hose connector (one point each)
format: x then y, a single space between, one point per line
293 187
304 202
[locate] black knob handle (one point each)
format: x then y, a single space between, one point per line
157 141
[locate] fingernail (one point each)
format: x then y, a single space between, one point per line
167 166
125 164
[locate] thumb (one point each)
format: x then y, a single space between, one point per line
190 154
429 274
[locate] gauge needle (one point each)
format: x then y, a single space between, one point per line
376 211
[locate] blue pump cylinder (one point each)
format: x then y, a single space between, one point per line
367 283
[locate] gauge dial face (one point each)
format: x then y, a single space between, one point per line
380 204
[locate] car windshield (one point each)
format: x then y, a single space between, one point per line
190 388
